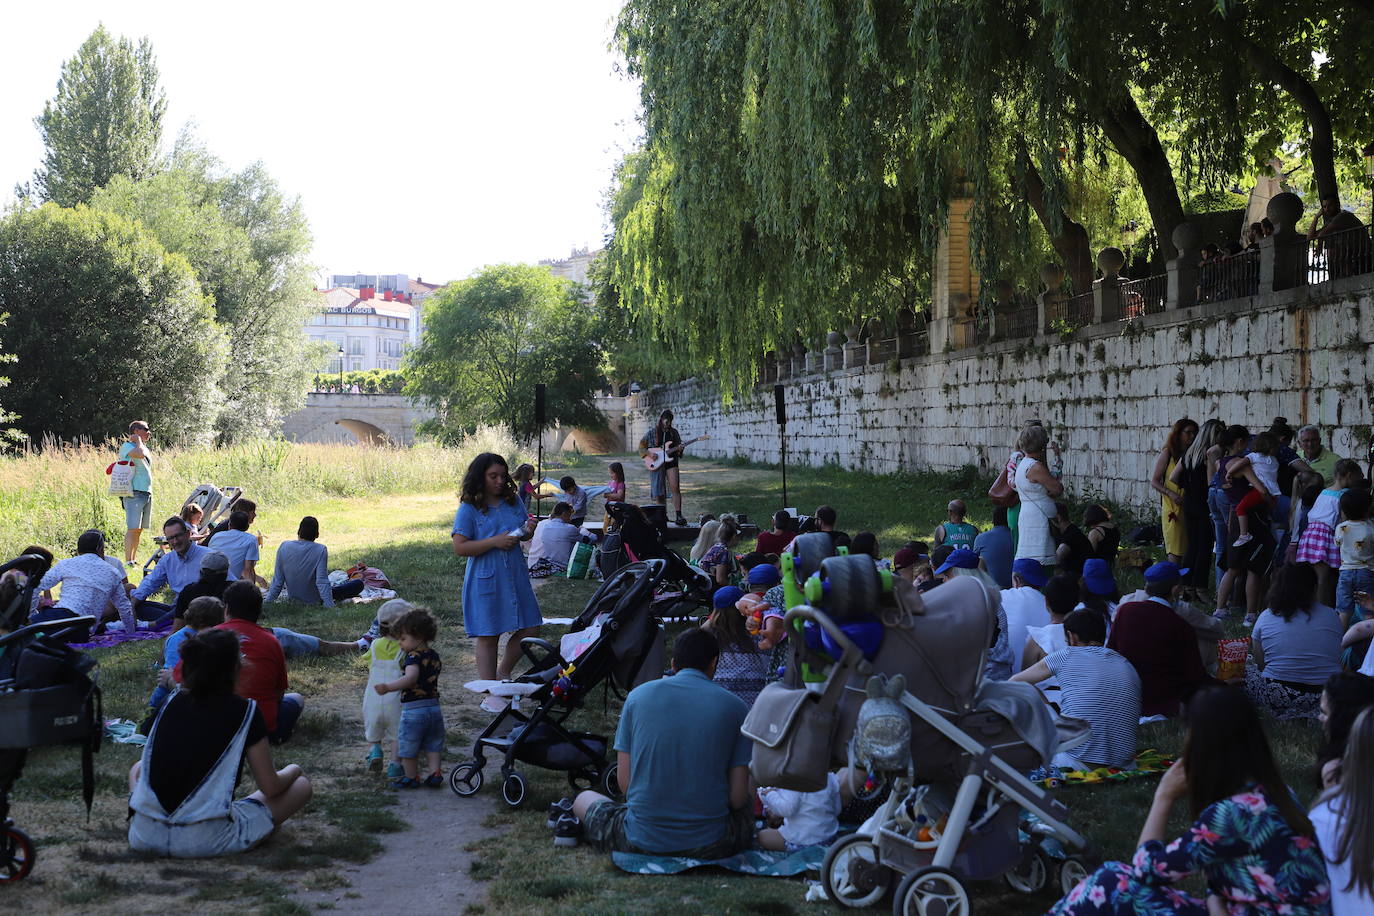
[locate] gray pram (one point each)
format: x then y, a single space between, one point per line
957 776
215 502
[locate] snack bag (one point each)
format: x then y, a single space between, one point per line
1231 655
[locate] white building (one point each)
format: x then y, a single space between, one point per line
372 331
574 266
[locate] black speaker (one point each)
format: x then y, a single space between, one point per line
780 404
539 405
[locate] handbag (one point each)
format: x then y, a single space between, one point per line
121 478
1002 493
792 726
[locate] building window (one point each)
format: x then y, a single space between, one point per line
357 321
335 365
355 366
335 320
356 346
391 346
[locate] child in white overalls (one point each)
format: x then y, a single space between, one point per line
382 714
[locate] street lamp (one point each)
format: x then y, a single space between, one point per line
341 361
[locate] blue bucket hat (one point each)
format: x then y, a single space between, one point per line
726 596
963 558
1164 572
1097 576
1031 572
764 574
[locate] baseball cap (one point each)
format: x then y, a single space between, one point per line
1164 572
391 611
726 596
904 558
963 558
764 574
1031 572
1097 576
214 561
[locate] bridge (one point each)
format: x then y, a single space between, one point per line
364 419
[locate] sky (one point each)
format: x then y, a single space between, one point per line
423 138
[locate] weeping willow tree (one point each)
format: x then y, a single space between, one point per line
799 157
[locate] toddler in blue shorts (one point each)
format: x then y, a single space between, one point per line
422 722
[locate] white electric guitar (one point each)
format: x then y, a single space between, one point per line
654 458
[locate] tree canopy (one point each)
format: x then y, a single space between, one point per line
798 158
105 120
105 326
491 338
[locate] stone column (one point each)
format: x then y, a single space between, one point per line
1283 256
834 355
906 333
1052 276
954 286
1182 270
853 349
1107 291
798 358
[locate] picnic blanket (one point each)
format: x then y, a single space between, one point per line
1147 763
750 862
115 638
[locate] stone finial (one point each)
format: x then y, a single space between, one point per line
798 348
834 339
1110 261
1051 275
1187 236
1284 211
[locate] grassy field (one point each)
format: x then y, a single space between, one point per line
401 527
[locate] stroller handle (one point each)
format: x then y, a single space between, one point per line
851 655
50 626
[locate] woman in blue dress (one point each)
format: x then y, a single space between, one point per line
497 595
1249 837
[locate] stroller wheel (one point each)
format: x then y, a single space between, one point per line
16 855
1071 871
1032 874
610 782
465 779
583 780
852 874
513 790
808 550
931 892
854 586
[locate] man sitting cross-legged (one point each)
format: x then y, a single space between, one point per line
683 765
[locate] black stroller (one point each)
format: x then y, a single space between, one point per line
48 696
616 639
686 590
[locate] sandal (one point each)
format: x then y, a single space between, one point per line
405 782
434 780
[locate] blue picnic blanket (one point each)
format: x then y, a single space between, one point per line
750 862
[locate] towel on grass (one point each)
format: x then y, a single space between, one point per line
750 862
113 639
1147 763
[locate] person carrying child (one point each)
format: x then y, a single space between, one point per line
806 818
1266 467
382 712
956 532
422 721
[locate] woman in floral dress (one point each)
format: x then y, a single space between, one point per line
1249 836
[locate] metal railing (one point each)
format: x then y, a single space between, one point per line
1021 322
1232 276
1147 296
1340 254
1071 313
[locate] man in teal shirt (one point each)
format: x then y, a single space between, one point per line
683 764
138 509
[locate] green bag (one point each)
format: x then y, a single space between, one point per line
580 562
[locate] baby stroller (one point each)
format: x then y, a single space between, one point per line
687 590
48 696
215 502
616 639
957 790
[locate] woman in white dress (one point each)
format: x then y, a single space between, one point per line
1038 489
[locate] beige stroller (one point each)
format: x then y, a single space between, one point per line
953 748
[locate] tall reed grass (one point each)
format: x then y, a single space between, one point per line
50 495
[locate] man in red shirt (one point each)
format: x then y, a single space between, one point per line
263 674
776 541
1159 643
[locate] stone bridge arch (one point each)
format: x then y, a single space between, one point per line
364 419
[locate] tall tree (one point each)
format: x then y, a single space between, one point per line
491 338
105 120
105 326
249 246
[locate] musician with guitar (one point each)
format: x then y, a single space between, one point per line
661 447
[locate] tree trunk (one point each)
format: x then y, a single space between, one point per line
1135 139
1322 145
1071 241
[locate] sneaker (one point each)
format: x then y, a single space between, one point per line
680 521
1249 620
557 810
405 782
567 831
494 704
363 644
374 758
434 780
394 770
1221 613
1242 540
